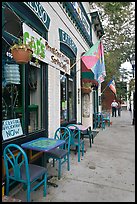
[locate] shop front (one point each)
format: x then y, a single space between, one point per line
40 95
24 84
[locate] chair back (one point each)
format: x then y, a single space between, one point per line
15 164
75 133
63 133
106 115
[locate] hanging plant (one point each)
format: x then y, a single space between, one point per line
86 87
22 53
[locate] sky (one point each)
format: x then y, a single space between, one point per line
127 65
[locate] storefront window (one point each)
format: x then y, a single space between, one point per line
63 102
34 106
71 98
11 83
68 110
22 84
69 84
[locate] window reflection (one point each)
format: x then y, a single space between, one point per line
71 99
67 104
34 106
63 102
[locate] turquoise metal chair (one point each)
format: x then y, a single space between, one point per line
99 120
76 139
19 170
62 153
106 118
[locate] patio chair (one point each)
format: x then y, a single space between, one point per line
106 118
62 153
99 120
76 139
19 170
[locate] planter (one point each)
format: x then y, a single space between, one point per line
22 56
86 90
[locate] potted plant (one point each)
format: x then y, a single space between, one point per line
22 53
86 87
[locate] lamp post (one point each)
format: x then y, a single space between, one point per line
132 61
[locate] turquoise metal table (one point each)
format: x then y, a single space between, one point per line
85 132
43 144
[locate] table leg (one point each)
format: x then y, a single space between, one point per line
44 163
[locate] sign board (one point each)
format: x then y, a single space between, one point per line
65 38
40 12
44 52
11 128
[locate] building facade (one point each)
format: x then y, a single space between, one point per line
46 92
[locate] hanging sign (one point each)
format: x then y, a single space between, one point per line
11 128
44 52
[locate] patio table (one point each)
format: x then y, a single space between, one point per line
85 132
43 144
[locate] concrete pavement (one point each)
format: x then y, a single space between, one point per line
106 173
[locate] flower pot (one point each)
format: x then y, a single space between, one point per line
86 90
22 56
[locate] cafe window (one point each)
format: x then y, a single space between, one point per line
34 103
23 85
71 99
14 93
63 101
68 97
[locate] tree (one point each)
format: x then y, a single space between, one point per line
118 20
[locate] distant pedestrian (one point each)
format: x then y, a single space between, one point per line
119 109
114 105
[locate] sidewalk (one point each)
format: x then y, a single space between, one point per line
106 173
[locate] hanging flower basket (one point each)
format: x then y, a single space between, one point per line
86 90
21 54
86 87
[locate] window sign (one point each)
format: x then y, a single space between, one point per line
11 128
44 52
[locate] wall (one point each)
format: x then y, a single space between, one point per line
59 19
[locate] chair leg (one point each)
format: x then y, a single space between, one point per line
59 169
45 185
90 141
95 126
68 162
92 138
83 148
7 186
78 153
28 192
103 125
